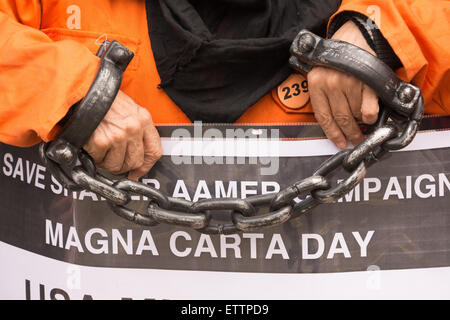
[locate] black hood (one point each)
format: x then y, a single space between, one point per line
216 58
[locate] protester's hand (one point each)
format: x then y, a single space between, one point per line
340 100
126 139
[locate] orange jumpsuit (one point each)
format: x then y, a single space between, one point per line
48 62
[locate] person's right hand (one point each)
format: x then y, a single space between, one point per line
125 140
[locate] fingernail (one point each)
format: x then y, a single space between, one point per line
341 145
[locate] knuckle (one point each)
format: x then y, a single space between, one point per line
113 167
146 166
343 120
157 153
323 118
334 134
318 75
314 77
119 136
334 80
133 126
139 163
371 114
144 115
353 87
152 156
100 142
134 161
126 167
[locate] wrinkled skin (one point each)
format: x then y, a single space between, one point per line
339 100
126 140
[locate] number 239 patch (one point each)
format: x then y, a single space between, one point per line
293 92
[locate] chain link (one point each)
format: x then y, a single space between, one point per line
395 129
243 213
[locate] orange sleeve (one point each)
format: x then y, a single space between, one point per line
418 32
39 79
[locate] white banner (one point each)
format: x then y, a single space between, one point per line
387 239
25 275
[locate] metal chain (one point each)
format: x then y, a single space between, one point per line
243 213
395 129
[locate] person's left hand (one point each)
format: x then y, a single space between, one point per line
340 100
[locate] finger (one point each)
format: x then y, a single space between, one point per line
344 117
152 152
370 107
324 117
353 93
115 157
134 157
97 147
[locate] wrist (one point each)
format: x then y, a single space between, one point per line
350 32
372 34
